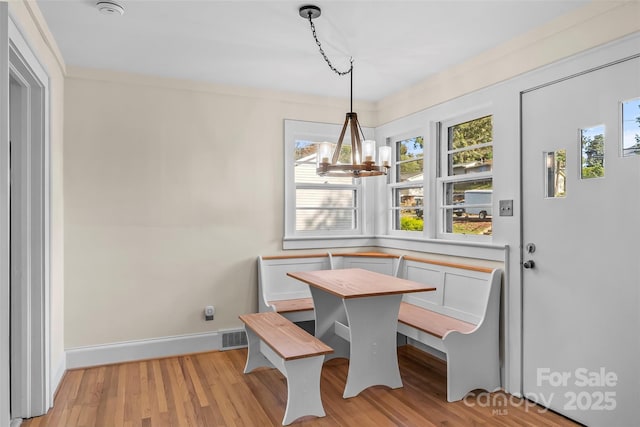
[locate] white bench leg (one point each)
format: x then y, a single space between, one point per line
472 363
303 388
255 359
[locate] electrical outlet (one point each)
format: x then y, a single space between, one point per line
209 311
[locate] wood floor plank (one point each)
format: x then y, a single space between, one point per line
210 390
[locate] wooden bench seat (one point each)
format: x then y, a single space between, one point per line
292 305
275 341
431 322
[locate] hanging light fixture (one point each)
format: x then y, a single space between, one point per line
362 150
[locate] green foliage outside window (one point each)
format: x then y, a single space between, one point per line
468 134
593 156
411 224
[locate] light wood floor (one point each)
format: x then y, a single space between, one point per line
209 389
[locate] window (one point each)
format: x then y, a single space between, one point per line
315 206
466 182
631 127
323 203
407 192
592 152
555 174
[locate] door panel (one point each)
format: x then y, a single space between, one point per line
581 300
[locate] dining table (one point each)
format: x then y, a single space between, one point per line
356 313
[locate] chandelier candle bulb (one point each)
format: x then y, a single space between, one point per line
368 150
325 151
384 156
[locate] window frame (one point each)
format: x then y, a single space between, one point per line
393 186
444 178
297 130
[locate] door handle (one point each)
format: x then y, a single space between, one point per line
529 264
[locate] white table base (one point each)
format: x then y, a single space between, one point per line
371 323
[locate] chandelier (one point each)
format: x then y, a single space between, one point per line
362 150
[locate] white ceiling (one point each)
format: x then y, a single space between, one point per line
266 44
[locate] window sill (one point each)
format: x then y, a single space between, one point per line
326 242
480 250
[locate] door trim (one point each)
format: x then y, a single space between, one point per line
30 393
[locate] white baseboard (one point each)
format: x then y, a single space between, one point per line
83 357
57 378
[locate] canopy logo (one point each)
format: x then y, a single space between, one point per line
578 390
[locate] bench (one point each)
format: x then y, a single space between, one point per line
282 294
275 341
460 319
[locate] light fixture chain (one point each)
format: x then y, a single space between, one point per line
324 55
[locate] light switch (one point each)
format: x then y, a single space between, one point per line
506 207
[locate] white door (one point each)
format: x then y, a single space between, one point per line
581 280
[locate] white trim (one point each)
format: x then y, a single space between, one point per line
57 375
33 391
480 250
5 394
153 348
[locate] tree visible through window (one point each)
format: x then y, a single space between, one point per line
407 190
467 178
592 143
631 127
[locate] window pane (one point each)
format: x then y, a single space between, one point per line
408 212
464 156
474 132
409 171
592 148
305 166
555 176
471 161
469 208
325 219
631 127
315 198
409 163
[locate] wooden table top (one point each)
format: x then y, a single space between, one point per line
358 283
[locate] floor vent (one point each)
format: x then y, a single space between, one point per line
235 339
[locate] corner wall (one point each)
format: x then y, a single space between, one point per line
173 188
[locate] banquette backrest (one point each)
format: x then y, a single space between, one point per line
275 285
462 291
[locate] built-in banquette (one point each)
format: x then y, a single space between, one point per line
460 319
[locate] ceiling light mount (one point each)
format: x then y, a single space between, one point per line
310 11
362 150
110 7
